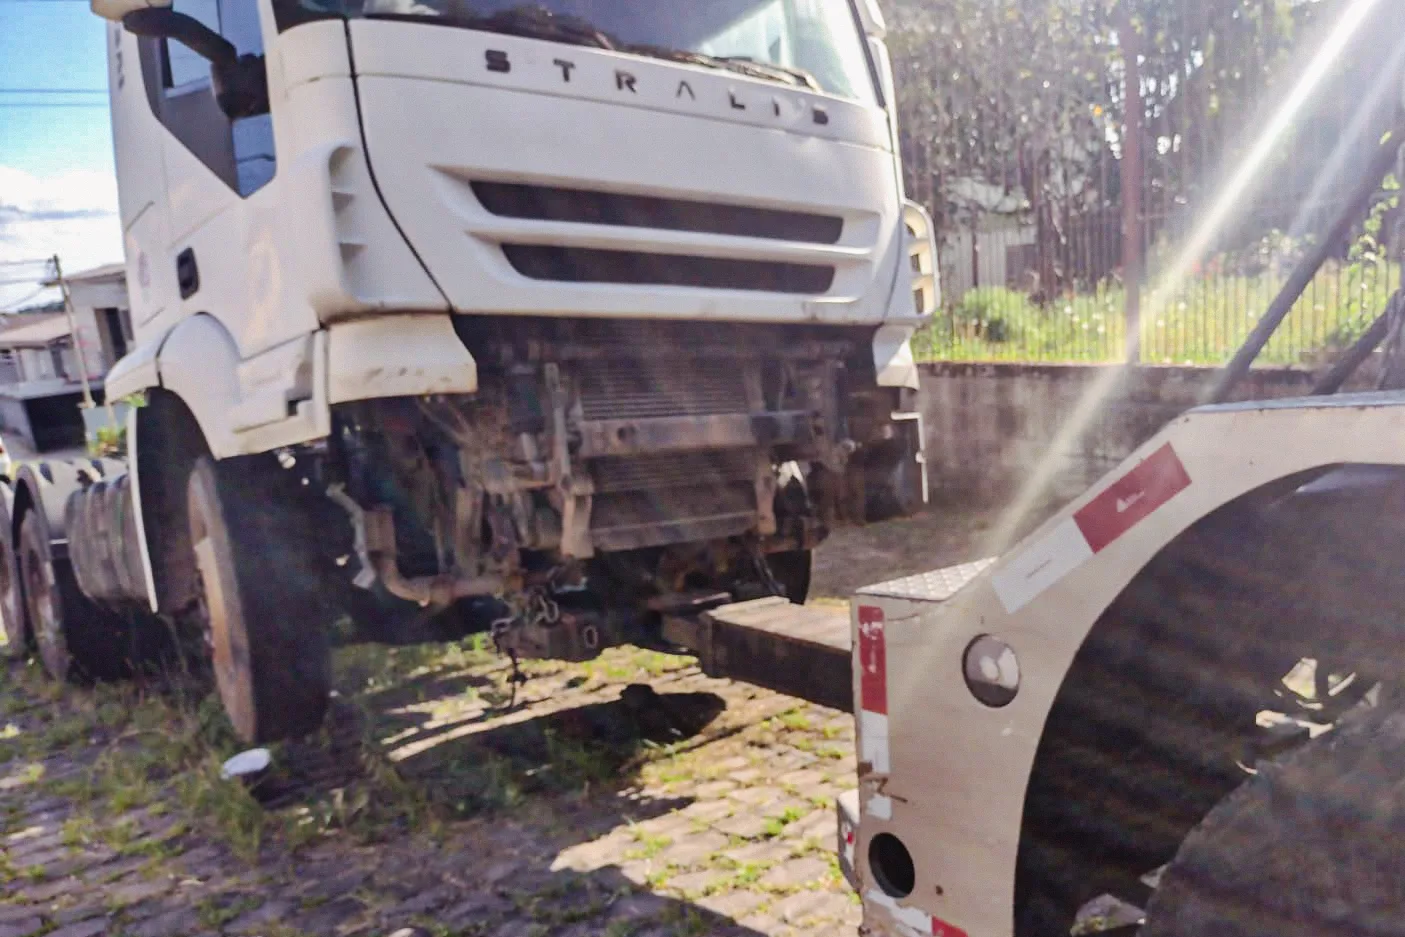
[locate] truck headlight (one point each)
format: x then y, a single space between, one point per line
992 671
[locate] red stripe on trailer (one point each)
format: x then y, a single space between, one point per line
941 929
873 661
1130 499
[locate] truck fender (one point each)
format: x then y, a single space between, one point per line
198 362
1045 597
137 371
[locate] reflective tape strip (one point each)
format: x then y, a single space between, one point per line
1040 565
913 920
1126 502
873 741
873 661
873 703
1095 526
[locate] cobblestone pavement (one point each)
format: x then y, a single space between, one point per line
728 830
434 807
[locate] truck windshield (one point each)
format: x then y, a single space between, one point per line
807 43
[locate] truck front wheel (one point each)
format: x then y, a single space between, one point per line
258 597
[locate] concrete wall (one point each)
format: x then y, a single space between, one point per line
989 426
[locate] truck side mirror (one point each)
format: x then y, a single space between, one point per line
116 10
240 81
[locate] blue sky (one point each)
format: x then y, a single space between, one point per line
57 192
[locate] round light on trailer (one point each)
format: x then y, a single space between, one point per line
992 671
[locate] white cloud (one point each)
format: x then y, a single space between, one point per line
72 214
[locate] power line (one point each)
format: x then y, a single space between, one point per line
9 307
18 281
25 263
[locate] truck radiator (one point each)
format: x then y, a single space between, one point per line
624 390
651 501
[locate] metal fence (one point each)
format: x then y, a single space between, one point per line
996 305
1048 282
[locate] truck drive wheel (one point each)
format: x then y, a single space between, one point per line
1309 847
75 638
260 607
12 628
791 570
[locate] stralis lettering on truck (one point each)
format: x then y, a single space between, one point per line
626 82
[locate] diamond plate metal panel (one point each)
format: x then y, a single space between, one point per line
935 586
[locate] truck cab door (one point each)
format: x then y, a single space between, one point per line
220 205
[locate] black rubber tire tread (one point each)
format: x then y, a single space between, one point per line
264 555
1309 847
792 570
91 643
12 616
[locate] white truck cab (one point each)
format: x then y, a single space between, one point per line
583 313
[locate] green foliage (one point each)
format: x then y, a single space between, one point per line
110 442
1202 323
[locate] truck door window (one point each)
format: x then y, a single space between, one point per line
240 152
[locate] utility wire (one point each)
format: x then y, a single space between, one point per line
10 307
53 91
44 104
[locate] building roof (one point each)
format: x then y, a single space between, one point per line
107 273
33 330
45 387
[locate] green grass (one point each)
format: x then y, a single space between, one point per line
1202 323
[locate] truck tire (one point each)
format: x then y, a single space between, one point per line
260 606
791 570
76 639
12 626
1309 847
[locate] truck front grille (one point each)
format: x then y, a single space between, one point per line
551 203
591 265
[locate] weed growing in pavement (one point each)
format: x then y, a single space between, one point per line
650 845
393 759
218 911
686 921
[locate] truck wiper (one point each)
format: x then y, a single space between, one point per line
742 64
532 22
772 70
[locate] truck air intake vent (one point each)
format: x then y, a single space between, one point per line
547 203
588 265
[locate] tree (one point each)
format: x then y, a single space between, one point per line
1027 95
